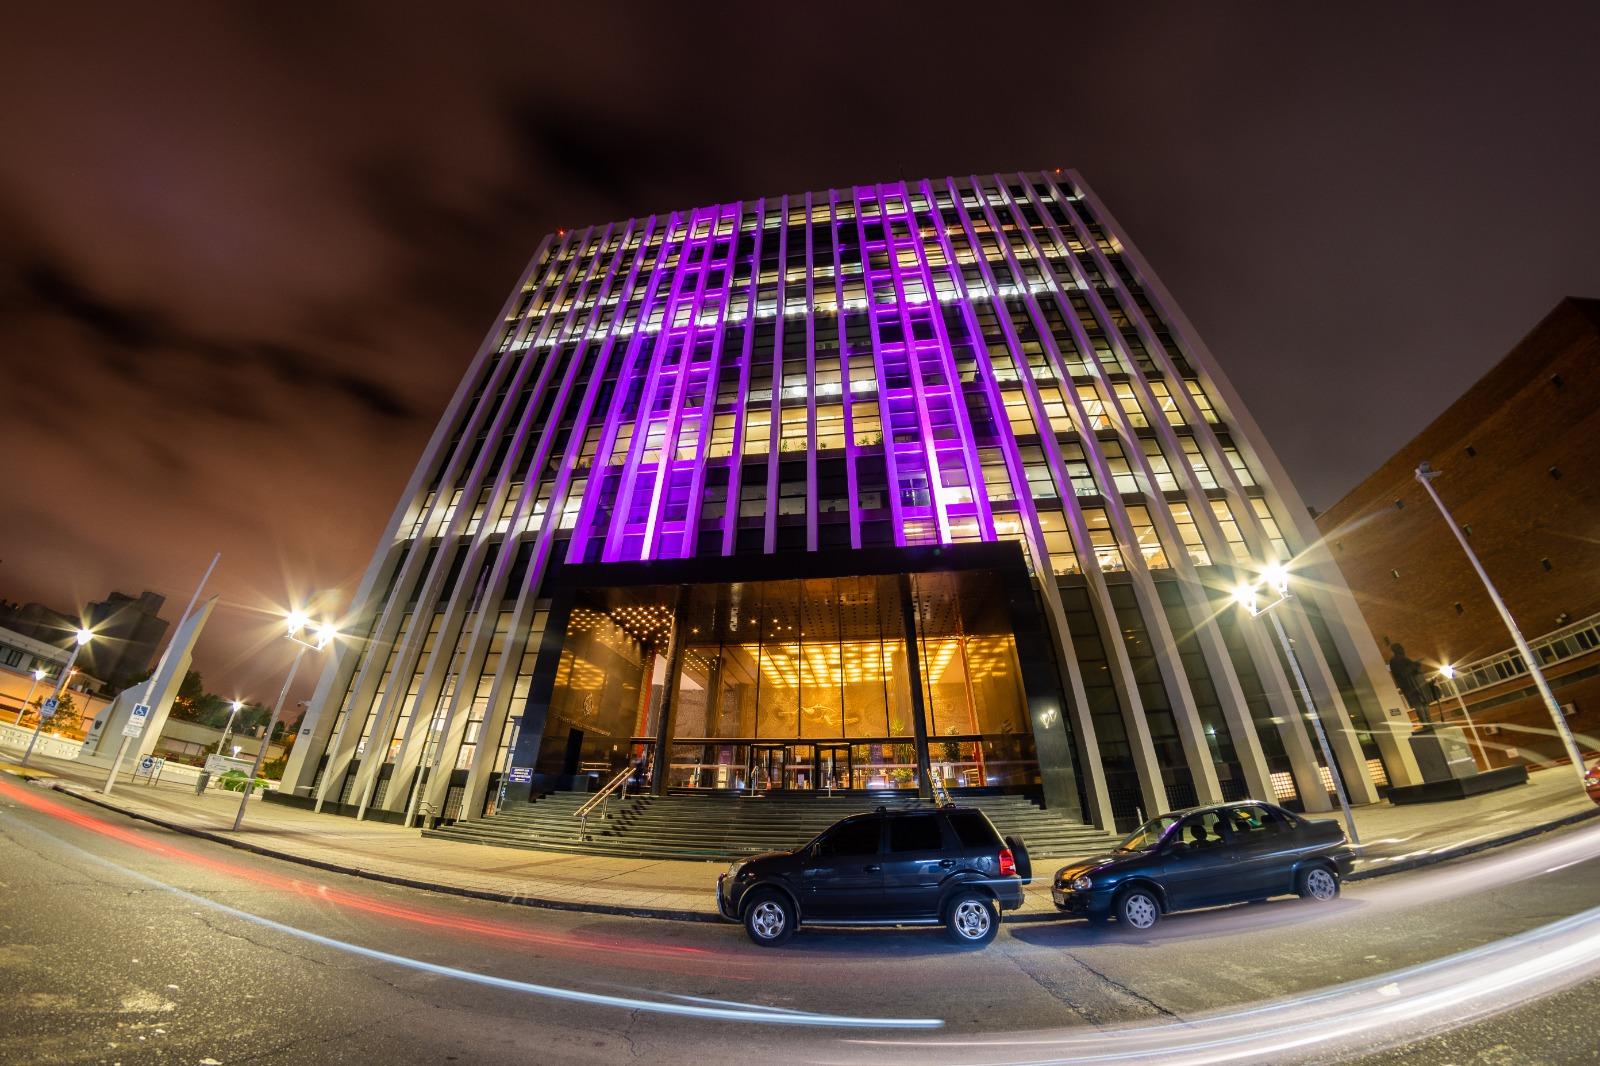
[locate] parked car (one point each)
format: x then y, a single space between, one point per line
1204 856
947 867
1591 781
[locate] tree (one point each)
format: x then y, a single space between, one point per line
194 704
65 720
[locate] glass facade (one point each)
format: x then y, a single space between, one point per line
793 684
914 364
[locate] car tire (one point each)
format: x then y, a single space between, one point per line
1095 918
769 918
971 919
1319 883
1137 908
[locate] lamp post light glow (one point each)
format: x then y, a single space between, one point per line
38 676
80 638
1448 672
237 706
1425 474
309 636
1275 576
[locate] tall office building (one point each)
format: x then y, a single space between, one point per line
854 489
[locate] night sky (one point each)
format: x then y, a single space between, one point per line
247 252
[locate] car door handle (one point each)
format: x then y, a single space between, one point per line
873 869
946 863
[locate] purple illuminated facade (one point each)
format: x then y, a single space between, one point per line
723 408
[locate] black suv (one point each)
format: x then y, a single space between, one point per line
916 867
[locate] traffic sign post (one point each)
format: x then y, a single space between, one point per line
150 767
136 720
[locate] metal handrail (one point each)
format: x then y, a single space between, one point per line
941 794
602 799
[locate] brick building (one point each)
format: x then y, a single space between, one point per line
1519 454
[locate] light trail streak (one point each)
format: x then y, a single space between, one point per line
719 1010
1359 1017
634 952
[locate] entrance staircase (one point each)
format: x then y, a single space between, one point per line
720 828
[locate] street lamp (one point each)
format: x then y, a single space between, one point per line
1448 672
1275 578
309 636
81 637
237 706
38 676
1425 475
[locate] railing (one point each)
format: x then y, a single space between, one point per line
1569 642
602 799
941 794
428 813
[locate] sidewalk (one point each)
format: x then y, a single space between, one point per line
1394 839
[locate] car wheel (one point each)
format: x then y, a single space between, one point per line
769 919
1096 918
1319 883
1138 908
971 919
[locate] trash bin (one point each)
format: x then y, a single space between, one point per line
201 780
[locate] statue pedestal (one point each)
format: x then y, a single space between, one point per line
1442 753
1448 770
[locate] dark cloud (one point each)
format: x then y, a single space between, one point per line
116 329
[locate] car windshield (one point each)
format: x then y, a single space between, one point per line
1149 834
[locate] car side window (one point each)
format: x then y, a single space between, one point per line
852 838
1201 831
1255 822
915 832
973 829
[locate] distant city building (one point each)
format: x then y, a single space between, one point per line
1519 462
848 490
128 631
38 622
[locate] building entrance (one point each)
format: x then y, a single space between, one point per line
865 683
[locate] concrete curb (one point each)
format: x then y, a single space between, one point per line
671 914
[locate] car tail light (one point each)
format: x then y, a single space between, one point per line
1008 863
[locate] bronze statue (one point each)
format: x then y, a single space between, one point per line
1419 692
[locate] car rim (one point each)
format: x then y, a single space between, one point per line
767 920
1321 884
972 919
1141 912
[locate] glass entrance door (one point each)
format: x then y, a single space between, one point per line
783 766
833 766
767 763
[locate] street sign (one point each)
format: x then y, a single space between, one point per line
221 764
520 775
149 766
136 720
47 709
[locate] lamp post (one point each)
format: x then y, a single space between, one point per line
1425 475
1448 672
1276 578
310 636
237 705
81 637
38 676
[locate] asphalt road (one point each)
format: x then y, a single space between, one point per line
124 943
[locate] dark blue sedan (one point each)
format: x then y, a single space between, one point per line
1203 857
